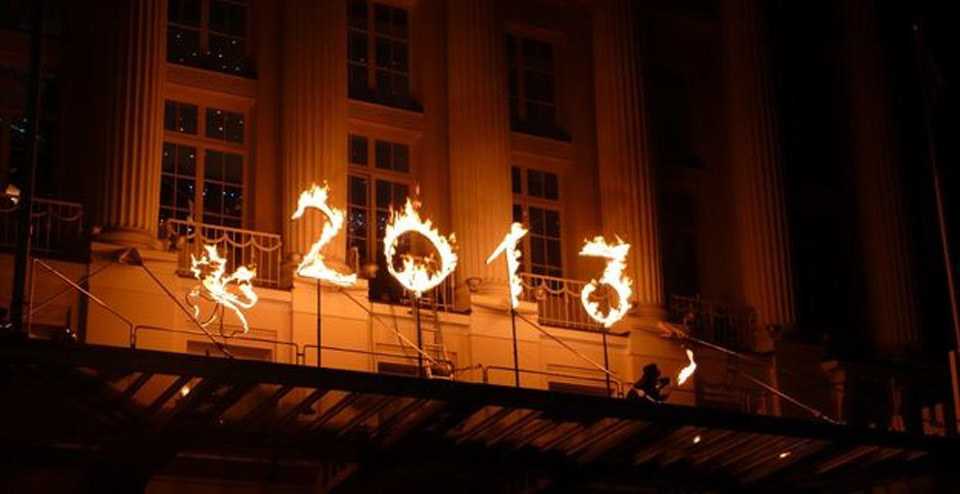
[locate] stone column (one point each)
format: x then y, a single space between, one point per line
479 136
628 198
129 72
760 207
313 116
886 252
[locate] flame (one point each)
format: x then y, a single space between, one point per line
613 276
210 269
687 371
312 265
415 276
512 253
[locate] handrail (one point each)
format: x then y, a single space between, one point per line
368 352
38 262
558 301
246 247
298 354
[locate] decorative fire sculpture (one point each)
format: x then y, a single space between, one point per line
616 256
312 265
512 253
687 371
417 276
210 270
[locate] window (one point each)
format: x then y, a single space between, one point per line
536 196
202 177
209 34
681 258
533 108
377 54
373 191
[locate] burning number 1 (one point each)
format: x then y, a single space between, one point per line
613 276
510 250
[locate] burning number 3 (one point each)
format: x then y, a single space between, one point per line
313 265
613 276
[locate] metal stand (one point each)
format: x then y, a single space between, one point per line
516 358
606 360
416 314
319 321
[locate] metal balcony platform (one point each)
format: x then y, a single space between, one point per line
119 417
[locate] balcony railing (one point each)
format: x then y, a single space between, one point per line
385 289
56 226
558 301
728 325
256 250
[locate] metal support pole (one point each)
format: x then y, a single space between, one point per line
319 322
606 361
516 356
28 174
416 313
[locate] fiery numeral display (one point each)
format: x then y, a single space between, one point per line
416 276
214 287
512 253
616 256
312 265
687 371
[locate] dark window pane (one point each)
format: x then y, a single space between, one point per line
536 250
227 53
233 201
382 218
358 14
515 178
166 190
358 150
552 223
537 221
357 80
186 160
551 189
554 256
357 47
169 115
187 122
383 155
233 168
401 158
534 183
358 191
215 123
400 194
213 166
358 222
234 128
169 157
212 198
518 213
185 193
384 194
183 45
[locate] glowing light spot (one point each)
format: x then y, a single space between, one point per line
210 270
616 256
312 265
696 439
784 454
413 275
687 371
512 253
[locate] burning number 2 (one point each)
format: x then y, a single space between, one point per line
313 265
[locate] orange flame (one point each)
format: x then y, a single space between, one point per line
414 276
616 256
687 371
512 253
312 265
210 269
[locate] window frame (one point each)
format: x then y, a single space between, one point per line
370 92
526 201
204 31
203 144
550 130
372 173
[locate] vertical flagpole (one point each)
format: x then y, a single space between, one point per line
513 326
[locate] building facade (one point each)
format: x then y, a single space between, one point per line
167 125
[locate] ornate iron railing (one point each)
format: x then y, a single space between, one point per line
558 301
256 250
56 226
728 325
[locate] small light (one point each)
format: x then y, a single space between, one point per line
184 391
784 454
696 439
